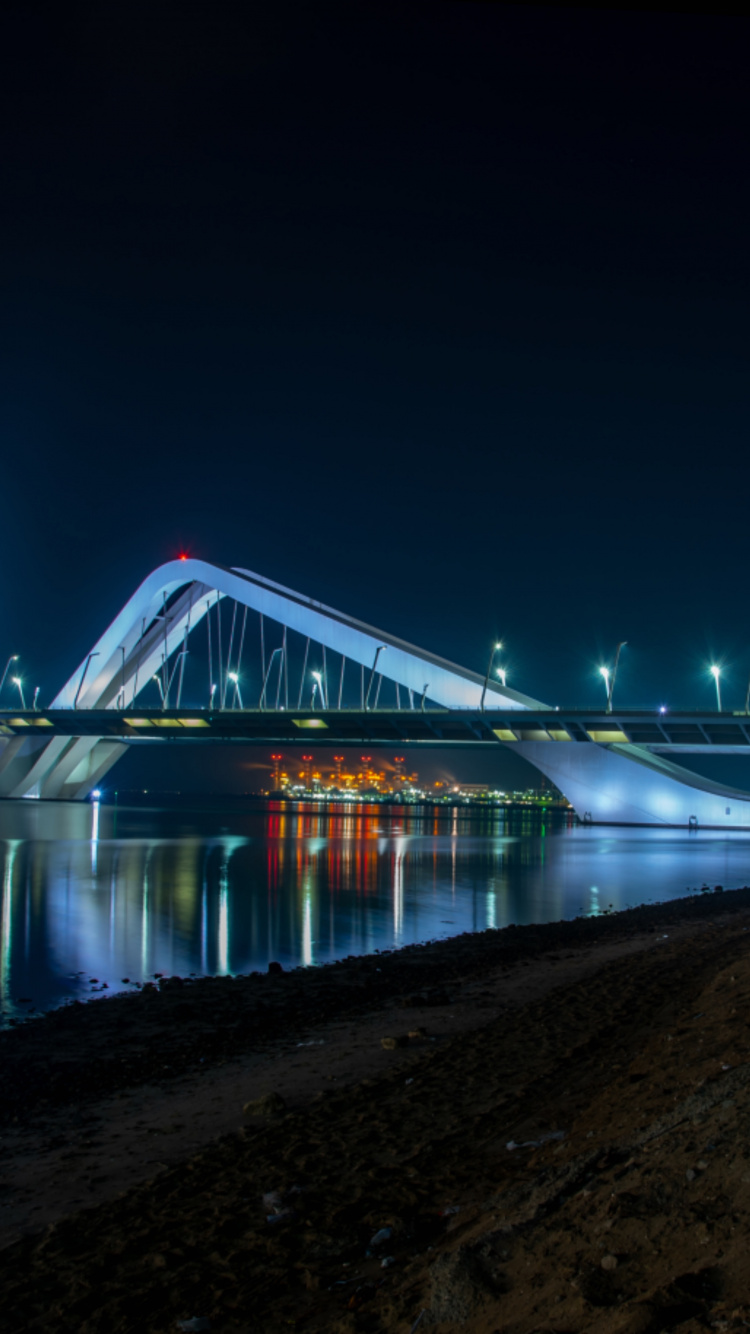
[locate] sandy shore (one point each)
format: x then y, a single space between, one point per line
613 1051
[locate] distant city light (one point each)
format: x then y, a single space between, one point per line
96 794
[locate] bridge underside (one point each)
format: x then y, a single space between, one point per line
613 769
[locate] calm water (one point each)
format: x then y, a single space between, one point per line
94 892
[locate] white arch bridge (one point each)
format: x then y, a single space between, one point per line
268 665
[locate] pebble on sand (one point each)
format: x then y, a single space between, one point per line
270 1104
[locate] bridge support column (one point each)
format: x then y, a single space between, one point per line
21 755
623 784
89 761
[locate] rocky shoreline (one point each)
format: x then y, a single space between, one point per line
214 1019
610 1052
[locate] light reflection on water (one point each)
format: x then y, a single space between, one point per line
90 892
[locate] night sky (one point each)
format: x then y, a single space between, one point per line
436 312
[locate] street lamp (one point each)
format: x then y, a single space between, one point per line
13 658
496 649
211 697
319 678
18 682
716 672
237 694
158 681
121 691
604 673
620 647
36 697
94 654
271 661
380 649
503 676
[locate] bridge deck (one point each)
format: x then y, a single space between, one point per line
673 732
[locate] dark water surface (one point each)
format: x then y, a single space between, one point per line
92 892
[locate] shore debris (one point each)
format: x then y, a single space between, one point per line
534 1143
270 1104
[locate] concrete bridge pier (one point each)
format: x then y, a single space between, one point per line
624 784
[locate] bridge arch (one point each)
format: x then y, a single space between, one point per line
150 636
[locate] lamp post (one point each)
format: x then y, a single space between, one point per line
92 655
604 673
496 649
319 680
268 673
122 690
211 697
13 658
36 697
237 693
620 647
380 649
158 681
716 673
503 676
18 682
